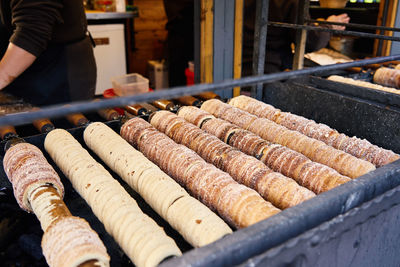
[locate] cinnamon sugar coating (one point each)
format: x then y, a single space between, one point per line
241 167
212 186
315 150
27 169
357 147
279 158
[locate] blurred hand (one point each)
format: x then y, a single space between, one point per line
14 62
342 18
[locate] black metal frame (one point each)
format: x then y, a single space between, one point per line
337 32
258 239
260 41
301 36
60 110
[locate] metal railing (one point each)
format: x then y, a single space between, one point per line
61 110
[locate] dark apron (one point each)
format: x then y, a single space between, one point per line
62 73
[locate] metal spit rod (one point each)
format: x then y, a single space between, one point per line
338 32
355 25
85 106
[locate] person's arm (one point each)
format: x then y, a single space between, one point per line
342 18
317 40
14 62
33 22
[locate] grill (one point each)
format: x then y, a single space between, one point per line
355 222
330 221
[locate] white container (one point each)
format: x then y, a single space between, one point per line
130 84
120 5
109 53
158 74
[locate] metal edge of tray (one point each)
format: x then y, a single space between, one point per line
364 236
249 242
382 97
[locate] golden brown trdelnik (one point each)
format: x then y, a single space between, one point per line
315 150
281 191
27 169
237 204
388 77
278 158
357 147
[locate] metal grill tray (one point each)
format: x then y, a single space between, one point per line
353 110
270 241
20 232
365 93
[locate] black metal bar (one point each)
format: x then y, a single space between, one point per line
224 28
86 106
260 42
301 35
338 32
355 25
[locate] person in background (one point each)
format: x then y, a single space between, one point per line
46 53
180 40
279 54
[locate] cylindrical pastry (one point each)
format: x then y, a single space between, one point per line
47 205
359 148
281 191
278 158
194 221
315 150
341 79
27 169
200 118
145 243
238 205
69 241
38 188
387 77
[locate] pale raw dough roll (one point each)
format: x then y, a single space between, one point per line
70 242
197 224
27 169
46 205
315 150
237 204
114 207
280 190
357 147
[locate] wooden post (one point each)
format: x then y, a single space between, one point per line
387 17
207 36
301 35
238 41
